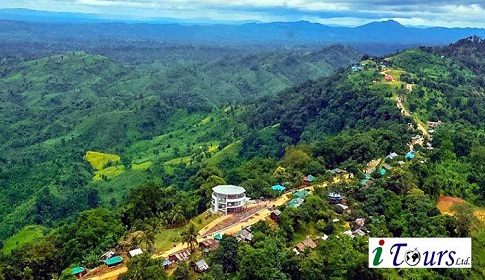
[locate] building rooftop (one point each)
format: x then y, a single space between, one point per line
228 189
135 252
113 260
301 194
78 270
202 265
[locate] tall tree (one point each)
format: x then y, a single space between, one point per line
144 267
182 272
189 236
464 219
227 254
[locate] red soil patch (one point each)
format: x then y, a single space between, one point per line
446 202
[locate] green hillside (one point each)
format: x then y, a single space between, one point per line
172 151
56 109
27 235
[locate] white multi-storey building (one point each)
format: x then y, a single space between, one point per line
228 199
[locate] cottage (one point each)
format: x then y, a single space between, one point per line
409 87
181 255
244 235
410 155
391 156
337 171
113 261
335 197
324 237
343 206
366 182
79 272
301 194
295 202
135 252
278 188
349 233
218 236
354 233
201 266
388 77
307 243
434 124
206 252
210 244
109 254
275 215
166 264
356 68
310 178
360 222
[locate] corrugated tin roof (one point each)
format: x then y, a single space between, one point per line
78 270
113 260
135 252
202 265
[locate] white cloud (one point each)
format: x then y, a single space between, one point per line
460 13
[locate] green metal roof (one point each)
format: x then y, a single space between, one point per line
301 194
295 202
113 260
78 270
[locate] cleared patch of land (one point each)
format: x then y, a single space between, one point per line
141 166
99 160
108 172
446 202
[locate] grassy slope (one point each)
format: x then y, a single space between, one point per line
26 235
169 237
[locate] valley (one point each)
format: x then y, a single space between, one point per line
101 153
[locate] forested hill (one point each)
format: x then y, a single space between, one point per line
56 108
81 132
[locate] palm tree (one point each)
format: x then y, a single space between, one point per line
147 237
175 216
91 259
189 236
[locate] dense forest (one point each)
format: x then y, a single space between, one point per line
57 108
94 152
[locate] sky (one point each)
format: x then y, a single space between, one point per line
446 13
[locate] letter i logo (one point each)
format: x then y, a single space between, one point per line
378 252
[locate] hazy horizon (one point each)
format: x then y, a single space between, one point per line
351 13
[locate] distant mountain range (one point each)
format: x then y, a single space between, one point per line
19 25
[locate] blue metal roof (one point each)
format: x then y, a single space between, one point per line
278 188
